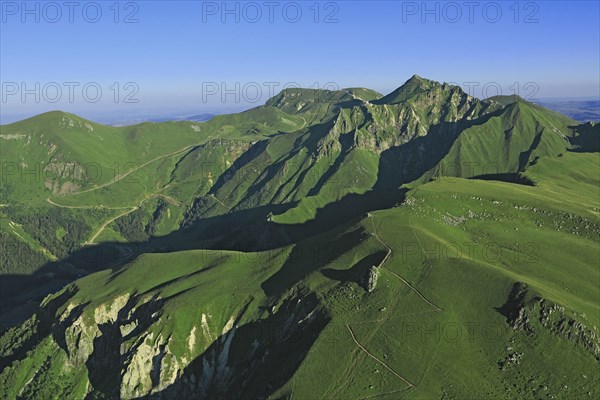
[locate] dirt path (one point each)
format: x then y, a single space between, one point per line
305 123
380 322
383 394
103 226
131 171
170 200
371 321
389 253
414 290
422 248
367 352
129 211
376 325
86 207
219 201
437 346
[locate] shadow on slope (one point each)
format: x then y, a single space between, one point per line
410 161
246 230
586 138
515 178
309 256
255 359
357 272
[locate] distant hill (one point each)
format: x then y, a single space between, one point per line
196 118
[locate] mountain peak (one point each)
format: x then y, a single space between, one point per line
418 82
56 115
413 86
55 118
294 99
416 78
506 100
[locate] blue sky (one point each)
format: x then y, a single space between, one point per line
180 55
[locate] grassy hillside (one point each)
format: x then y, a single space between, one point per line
329 244
470 279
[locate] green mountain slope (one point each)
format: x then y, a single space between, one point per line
329 244
447 288
507 143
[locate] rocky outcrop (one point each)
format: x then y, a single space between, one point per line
558 321
245 361
371 278
527 313
129 350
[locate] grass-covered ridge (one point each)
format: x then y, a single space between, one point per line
329 244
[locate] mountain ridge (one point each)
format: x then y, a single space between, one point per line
336 231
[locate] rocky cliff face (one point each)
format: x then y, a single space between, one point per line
182 333
531 314
125 353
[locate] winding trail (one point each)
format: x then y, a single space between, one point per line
219 201
380 322
422 248
367 352
104 225
305 123
436 308
437 347
131 171
170 200
129 211
388 255
85 207
414 290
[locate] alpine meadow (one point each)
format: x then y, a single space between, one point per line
418 241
